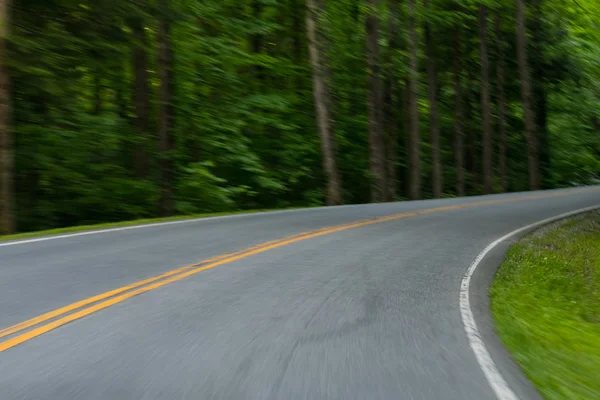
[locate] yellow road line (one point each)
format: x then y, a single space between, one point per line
63 310
102 296
118 295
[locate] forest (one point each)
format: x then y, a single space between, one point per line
114 110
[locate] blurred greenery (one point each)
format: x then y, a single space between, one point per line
243 123
546 305
121 224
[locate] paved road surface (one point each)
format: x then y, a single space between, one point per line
370 312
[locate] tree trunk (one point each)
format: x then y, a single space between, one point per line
391 145
120 95
414 140
391 105
501 103
539 94
472 134
322 102
257 42
165 117
141 99
434 124
7 222
298 44
470 100
595 124
540 112
486 113
459 133
378 157
533 158
97 92
404 168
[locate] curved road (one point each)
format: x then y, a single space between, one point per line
363 311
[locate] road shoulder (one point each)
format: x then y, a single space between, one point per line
480 283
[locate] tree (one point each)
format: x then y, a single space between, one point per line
533 159
141 97
541 67
500 102
414 140
459 134
253 109
165 114
7 224
378 164
256 40
434 125
322 101
486 114
392 103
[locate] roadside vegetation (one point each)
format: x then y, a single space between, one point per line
82 228
546 304
123 110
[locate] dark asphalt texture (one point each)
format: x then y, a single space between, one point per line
366 313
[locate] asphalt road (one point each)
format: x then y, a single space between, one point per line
370 312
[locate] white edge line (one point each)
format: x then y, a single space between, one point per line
98 231
499 385
93 231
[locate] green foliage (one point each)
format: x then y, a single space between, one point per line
547 310
244 127
199 188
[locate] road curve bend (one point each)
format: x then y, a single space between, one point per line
350 302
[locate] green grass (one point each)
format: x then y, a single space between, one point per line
546 304
81 228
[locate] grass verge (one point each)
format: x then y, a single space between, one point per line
546 305
82 228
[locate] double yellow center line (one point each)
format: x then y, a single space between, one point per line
59 317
